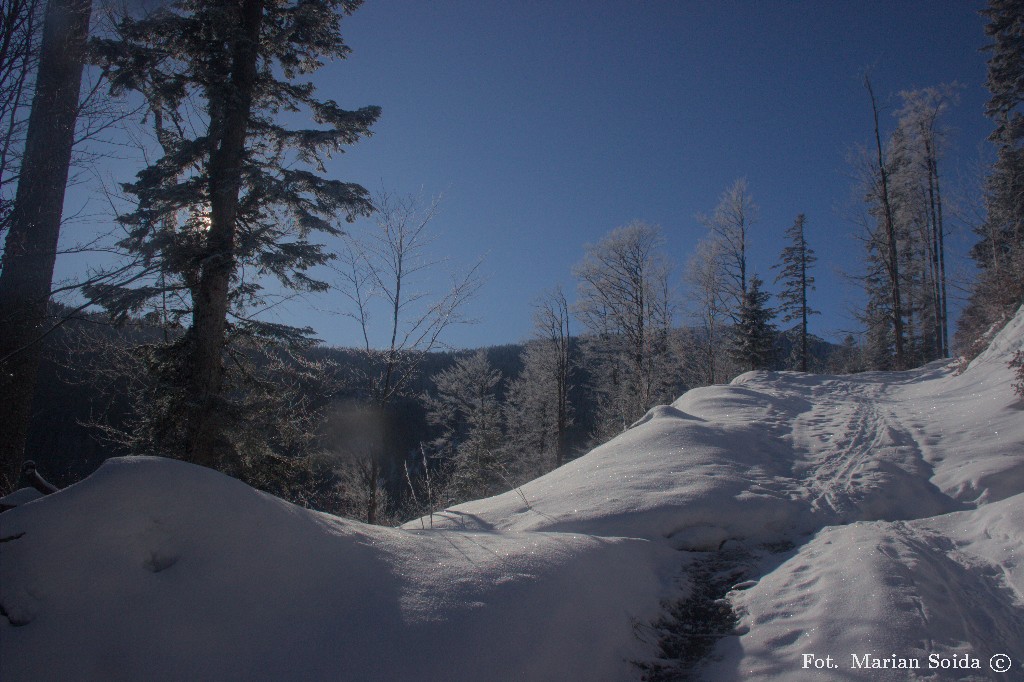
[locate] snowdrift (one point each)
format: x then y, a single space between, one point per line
158 570
879 516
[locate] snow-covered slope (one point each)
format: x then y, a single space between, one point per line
879 514
903 494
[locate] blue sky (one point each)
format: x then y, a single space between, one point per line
546 124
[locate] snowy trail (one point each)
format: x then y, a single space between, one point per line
874 588
857 459
942 587
833 442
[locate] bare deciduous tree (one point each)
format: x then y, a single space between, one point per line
728 225
921 120
551 320
538 410
626 303
384 272
706 283
881 194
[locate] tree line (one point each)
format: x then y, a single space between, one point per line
230 199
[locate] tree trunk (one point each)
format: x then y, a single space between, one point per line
803 302
30 250
941 248
935 247
892 257
207 442
562 436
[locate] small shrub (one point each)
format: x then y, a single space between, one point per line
1018 363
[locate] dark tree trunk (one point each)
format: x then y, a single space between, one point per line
207 442
935 248
892 256
562 435
30 250
803 302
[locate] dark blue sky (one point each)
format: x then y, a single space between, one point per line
548 123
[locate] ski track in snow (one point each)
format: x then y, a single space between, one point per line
855 452
880 513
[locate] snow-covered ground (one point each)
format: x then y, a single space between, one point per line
879 518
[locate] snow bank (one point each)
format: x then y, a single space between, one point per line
972 424
771 456
155 569
670 476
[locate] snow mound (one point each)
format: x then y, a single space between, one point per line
972 425
159 570
667 477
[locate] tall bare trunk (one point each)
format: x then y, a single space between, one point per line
892 257
941 248
933 247
30 250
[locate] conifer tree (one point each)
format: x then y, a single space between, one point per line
794 274
999 251
230 200
467 410
754 333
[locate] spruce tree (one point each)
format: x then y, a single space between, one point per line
999 251
467 410
794 274
754 333
231 199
